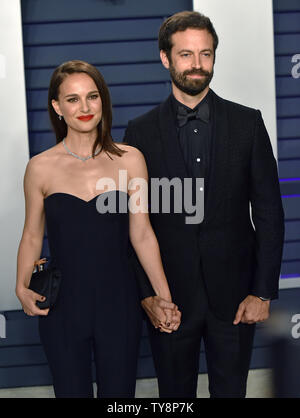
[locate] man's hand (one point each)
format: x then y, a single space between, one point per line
162 314
252 310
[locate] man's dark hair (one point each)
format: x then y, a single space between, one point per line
181 21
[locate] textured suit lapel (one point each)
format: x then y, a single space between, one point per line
170 144
218 176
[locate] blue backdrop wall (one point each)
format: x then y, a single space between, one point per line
287 45
120 38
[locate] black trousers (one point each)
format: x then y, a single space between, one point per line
112 341
176 356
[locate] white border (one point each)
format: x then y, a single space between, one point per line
245 58
14 148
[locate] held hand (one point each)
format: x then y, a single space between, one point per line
160 312
175 321
252 310
28 299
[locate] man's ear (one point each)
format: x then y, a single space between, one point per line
164 59
56 107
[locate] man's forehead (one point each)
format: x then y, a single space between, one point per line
192 36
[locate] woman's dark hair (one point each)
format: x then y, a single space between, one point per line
179 22
104 138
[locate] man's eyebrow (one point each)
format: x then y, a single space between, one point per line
184 50
188 50
75 94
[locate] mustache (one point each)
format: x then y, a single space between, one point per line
196 72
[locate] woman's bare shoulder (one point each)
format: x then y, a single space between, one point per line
134 162
131 153
40 163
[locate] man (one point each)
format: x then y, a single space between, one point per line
222 272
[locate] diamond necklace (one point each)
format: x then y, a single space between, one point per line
78 156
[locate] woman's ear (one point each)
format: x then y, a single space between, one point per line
56 107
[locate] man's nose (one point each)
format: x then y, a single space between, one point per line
197 61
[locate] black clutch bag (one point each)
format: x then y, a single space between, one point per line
45 282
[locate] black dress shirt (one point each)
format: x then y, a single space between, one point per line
195 139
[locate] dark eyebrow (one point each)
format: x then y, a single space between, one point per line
184 50
188 50
75 94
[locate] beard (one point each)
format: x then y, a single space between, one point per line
192 87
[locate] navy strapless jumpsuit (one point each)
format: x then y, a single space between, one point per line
97 315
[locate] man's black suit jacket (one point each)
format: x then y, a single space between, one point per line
237 259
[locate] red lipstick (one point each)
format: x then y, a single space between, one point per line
85 118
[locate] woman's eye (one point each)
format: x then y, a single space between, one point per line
72 99
94 96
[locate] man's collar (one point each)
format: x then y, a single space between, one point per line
176 103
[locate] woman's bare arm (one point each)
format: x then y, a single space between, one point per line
32 238
142 235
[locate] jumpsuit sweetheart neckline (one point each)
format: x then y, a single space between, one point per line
79 198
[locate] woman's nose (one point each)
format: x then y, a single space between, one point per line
85 106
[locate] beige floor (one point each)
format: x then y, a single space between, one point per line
259 386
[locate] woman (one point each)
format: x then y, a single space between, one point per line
98 307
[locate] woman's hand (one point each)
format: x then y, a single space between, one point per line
174 323
28 299
163 314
